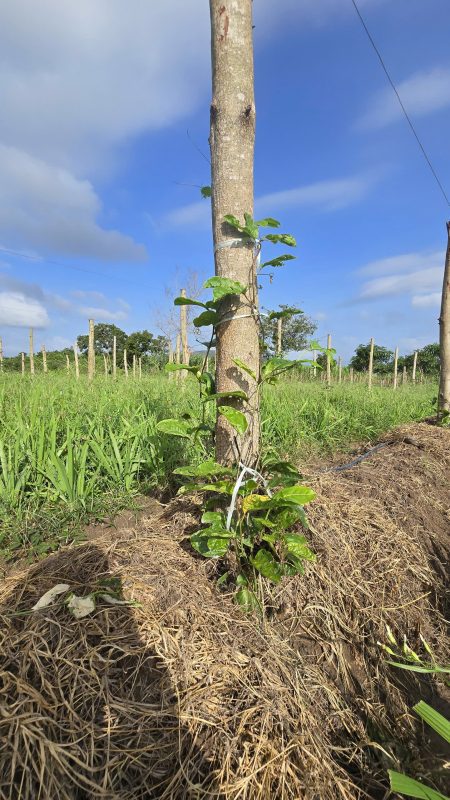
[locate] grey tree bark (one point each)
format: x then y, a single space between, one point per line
444 336
232 137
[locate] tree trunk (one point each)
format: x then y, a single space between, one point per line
232 137
444 336
279 336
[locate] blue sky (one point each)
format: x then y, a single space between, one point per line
105 107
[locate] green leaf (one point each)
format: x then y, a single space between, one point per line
233 221
298 546
277 262
244 368
206 468
437 721
172 367
209 543
246 599
411 788
205 319
251 228
294 495
289 516
215 519
219 395
267 565
286 314
219 487
236 418
267 222
175 427
221 287
206 191
186 301
284 238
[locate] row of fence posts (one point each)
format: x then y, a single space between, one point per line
181 355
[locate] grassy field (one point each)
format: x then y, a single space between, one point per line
70 451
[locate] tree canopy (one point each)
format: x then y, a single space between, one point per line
103 339
296 327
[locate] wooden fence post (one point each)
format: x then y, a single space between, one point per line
183 332
178 355
328 360
75 356
31 351
114 357
105 364
351 375
1 355
68 363
125 363
134 365
371 362
44 359
23 363
91 351
395 367
404 376
414 369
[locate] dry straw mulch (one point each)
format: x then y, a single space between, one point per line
184 697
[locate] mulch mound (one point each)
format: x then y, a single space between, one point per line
185 697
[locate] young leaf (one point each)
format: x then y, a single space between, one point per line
206 468
244 368
298 546
277 262
175 427
286 314
211 543
267 222
172 367
267 565
233 221
216 519
221 287
294 495
205 319
236 418
411 788
251 228
284 238
246 600
254 502
186 301
206 191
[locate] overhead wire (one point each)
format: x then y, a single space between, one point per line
402 106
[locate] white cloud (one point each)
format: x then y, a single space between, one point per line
427 300
19 311
425 280
417 275
103 314
407 262
422 93
323 195
46 207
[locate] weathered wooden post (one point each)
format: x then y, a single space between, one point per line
114 357
44 359
125 363
23 363
31 351
395 367
91 351
371 362
414 369
75 357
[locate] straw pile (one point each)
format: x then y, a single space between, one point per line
184 697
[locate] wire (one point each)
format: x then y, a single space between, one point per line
407 117
65 266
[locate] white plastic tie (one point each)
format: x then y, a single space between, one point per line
237 486
241 242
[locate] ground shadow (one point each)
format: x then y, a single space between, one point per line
88 710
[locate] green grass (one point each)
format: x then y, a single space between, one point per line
70 451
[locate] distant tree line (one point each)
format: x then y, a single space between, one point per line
153 350
383 359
